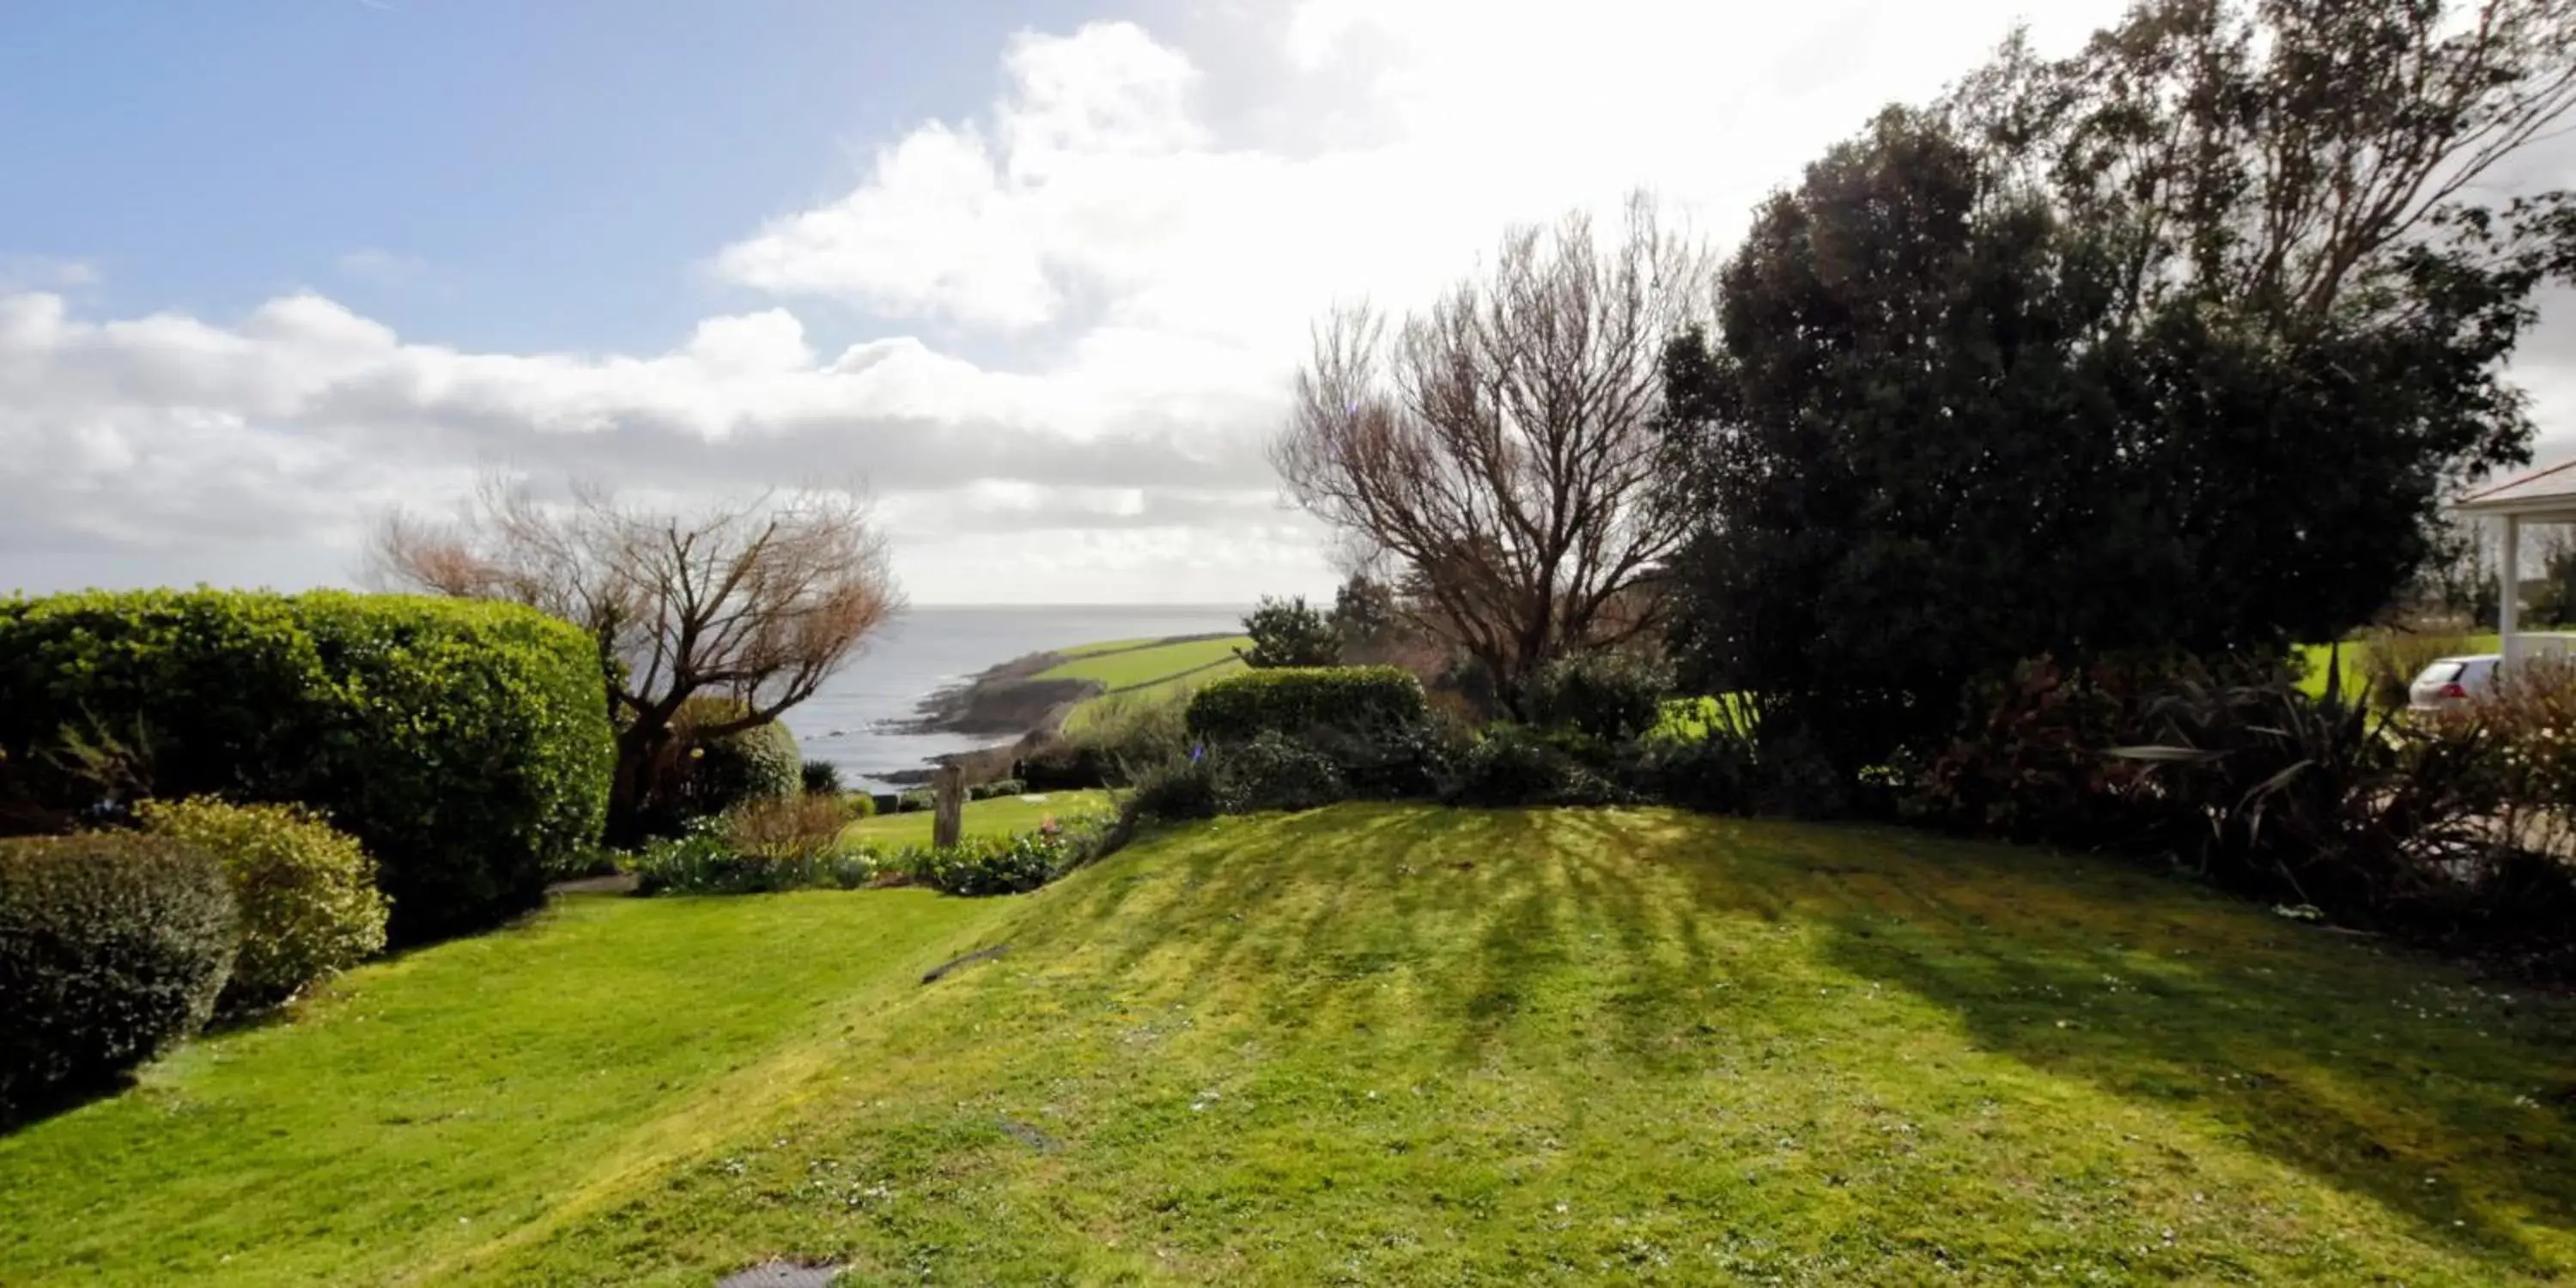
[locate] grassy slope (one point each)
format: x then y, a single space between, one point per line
1146 670
1388 1045
428 1104
1002 816
1402 1045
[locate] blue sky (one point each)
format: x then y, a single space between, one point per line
1035 274
508 175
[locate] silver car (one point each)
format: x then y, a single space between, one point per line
2453 680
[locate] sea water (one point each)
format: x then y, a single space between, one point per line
852 720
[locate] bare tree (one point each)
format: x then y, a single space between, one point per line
1500 449
757 600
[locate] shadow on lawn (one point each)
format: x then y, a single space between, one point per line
2365 1071
2392 1078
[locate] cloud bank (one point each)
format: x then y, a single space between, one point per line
1145 220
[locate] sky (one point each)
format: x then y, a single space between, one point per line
1036 274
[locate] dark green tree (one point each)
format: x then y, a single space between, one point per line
1285 632
2169 346
1364 612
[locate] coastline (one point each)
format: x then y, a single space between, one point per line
1011 704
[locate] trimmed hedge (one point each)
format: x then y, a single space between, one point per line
1292 700
306 892
113 947
465 744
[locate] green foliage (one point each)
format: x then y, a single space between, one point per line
1364 612
708 857
821 778
1515 765
306 893
466 745
996 864
859 804
1293 700
1275 772
1126 734
997 787
1178 789
2094 276
1610 697
1285 633
113 948
716 772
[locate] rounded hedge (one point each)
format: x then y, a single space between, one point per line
113 947
464 744
1292 700
759 763
306 892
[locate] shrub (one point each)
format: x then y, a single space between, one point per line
1124 735
113 947
787 828
1014 865
1183 787
1286 632
707 858
860 805
1703 759
465 745
1516 765
822 778
2029 762
306 893
1610 697
1273 771
999 787
720 772
915 801
1294 700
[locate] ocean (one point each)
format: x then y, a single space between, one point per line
928 649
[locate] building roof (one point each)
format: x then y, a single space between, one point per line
2547 492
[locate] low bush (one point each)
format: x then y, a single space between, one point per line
706 859
1611 697
859 804
822 778
1515 765
915 801
1294 700
1181 788
1713 767
113 947
1122 736
2029 762
999 787
305 892
799 829
466 745
1017 864
1275 772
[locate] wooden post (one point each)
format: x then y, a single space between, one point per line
2509 605
949 805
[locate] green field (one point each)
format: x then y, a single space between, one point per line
1146 670
1371 1044
2313 657
1001 816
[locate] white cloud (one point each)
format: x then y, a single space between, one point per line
1150 219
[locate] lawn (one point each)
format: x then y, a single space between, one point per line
2314 657
428 1107
1373 1044
1000 816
